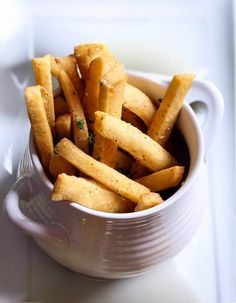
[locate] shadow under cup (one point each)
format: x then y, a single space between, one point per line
111 245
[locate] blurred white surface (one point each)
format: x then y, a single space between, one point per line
154 36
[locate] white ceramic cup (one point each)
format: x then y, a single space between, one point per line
111 245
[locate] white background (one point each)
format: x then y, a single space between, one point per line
155 36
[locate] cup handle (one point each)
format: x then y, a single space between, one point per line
206 101
21 190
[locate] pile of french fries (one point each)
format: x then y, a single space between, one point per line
102 141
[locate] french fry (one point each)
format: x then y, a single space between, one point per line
39 123
102 173
110 99
166 115
79 124
132 140
97 68
41 67
147 201
69 66
63 126
60 106
86 53
139 104
115 75
58 165
163 179
131 118
89 193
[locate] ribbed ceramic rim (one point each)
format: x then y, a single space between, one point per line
195 168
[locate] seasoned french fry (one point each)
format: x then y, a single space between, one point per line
69 66
132 140
39 123
163 179
63 126
115 75
147 201
59 165
90 194
139 104
86 53
102 173
41 67
166 115
97 68
131 118
80 129
60 106
110 99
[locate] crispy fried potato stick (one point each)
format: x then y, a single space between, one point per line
90 194
163 179
60 106
110 99
69 65
132 140
97 68
80 129
166 115
39 123
147 201
102 173
139 104
63 126
86 53
59 165
41 67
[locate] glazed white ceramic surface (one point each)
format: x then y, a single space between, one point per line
119 245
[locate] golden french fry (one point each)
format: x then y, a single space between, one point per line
131 118
163 179
60 106
86 53
69 66
115 75
148 200
63 126
79 124
139 104
59 165
110 99
89 193
102 173
97 68
39 123
41 67
166 115
132 140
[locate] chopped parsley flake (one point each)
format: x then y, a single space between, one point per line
80 124
91 140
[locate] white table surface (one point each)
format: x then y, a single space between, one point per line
166 37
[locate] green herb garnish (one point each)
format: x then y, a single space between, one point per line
80 124
91 140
